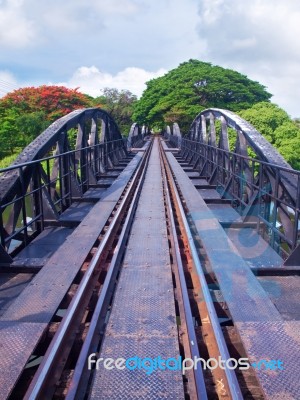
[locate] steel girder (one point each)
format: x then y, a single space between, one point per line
59 165
232 154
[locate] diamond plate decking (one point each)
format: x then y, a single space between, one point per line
143 319
274 341
25 320
246 299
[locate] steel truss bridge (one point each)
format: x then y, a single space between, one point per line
122 258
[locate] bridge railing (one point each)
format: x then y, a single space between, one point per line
173 135
137 135
255 189
47 187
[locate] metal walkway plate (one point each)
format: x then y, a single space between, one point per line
284 293
245 297
35 306
209 194
274 341
76 212
254 249
17 342
11 285
143 319
225 213
42 247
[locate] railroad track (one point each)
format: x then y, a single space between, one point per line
60 371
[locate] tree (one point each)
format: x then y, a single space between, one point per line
8 139
30 125
54 101
192 87
26 112
278 128
120 105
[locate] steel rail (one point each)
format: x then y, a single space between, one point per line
194 350
46 375
81 373
233 384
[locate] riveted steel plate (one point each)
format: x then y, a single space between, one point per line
17 342
94 193
113 174
76 212
39 301
253 248
145 288
143 318
284 293
11 287
154 212
137 384
44 245
145 227
193 174
209 194
200 182
274 341
225 213
105 181
246 299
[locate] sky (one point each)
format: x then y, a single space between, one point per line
124 43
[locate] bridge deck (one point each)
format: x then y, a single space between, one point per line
264 310
23 324
264 333
143 319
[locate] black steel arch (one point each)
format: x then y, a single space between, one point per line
57 135
246 168
136 135
56 168
262 148
173 135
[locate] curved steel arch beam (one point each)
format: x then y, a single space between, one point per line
136 135
47 139
247 134
275 176
259 144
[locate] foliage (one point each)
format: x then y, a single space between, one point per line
192 87
8 139
26 112
119 104
54 101
277 127
6 161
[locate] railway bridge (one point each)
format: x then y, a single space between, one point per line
158 266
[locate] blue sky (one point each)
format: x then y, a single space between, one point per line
123 43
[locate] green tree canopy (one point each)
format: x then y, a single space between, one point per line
278 128
192 87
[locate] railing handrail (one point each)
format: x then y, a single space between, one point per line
16 166
248 158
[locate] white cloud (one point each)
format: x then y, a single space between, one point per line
42 41
8 83
92 81
15 29
127 7
258 38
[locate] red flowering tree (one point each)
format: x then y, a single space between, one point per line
26 112
54 101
